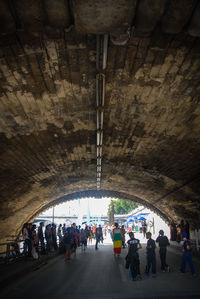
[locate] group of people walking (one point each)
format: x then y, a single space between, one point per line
41 241
75 236
38 240
132 258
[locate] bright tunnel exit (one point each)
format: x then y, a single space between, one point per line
94 211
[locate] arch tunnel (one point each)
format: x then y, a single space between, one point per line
99 99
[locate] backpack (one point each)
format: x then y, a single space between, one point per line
128 261
67 239
187 246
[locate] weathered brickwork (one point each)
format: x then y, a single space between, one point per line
151 140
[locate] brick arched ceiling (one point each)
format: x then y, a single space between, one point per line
151 113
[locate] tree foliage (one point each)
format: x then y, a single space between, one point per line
122 206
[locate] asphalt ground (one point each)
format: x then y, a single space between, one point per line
98 274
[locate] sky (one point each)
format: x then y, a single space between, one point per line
97 207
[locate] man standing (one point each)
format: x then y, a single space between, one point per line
163 243
54 236
59 233
68 241
41 238
27 241
99 235
133 256
144 228
151 256
123 232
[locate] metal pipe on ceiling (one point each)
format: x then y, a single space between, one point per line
101 138
97 120
98 161
97 51
105 51
97 90
103 89
100 151
98 137
101 64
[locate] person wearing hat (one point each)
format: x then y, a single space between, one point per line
187 254
163 243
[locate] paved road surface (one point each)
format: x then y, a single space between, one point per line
98 274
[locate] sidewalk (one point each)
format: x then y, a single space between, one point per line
18 268
78 278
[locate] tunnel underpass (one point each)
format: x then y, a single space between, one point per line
99 99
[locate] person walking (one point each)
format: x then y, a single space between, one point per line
73 232
54 236
144 228
34 251
179 237
59 233
87 233
68 242
163 243
48 237
41 244
132 257
90 236
31 237
123 232
76 239
151 256
27 241
98 235
117 240
83 237
187 254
